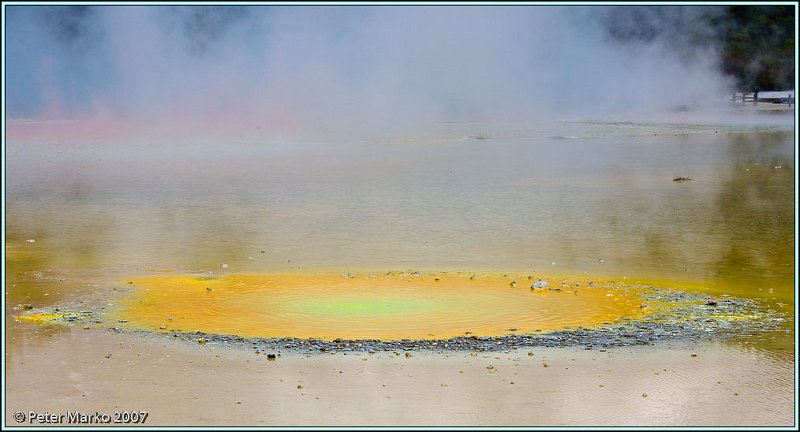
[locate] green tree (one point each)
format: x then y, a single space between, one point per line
755 43
757 46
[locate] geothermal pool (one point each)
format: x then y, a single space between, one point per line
386 307
586 200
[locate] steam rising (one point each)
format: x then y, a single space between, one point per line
260 70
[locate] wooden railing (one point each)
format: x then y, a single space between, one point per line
745 98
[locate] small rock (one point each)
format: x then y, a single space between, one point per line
223 265
163 327
271 357
644 395
408 354
513 284
202 341
108 355
27 306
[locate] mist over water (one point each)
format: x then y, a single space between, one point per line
189 72
379 138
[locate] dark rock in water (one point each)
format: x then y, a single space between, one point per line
680 179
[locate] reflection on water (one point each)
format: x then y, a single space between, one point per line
464 197
730 228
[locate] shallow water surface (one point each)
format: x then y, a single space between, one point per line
590 199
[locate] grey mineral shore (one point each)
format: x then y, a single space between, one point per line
690 318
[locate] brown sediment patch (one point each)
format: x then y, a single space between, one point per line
386 307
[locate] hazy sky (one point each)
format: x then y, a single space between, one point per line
190 69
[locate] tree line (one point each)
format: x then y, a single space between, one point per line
755 44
